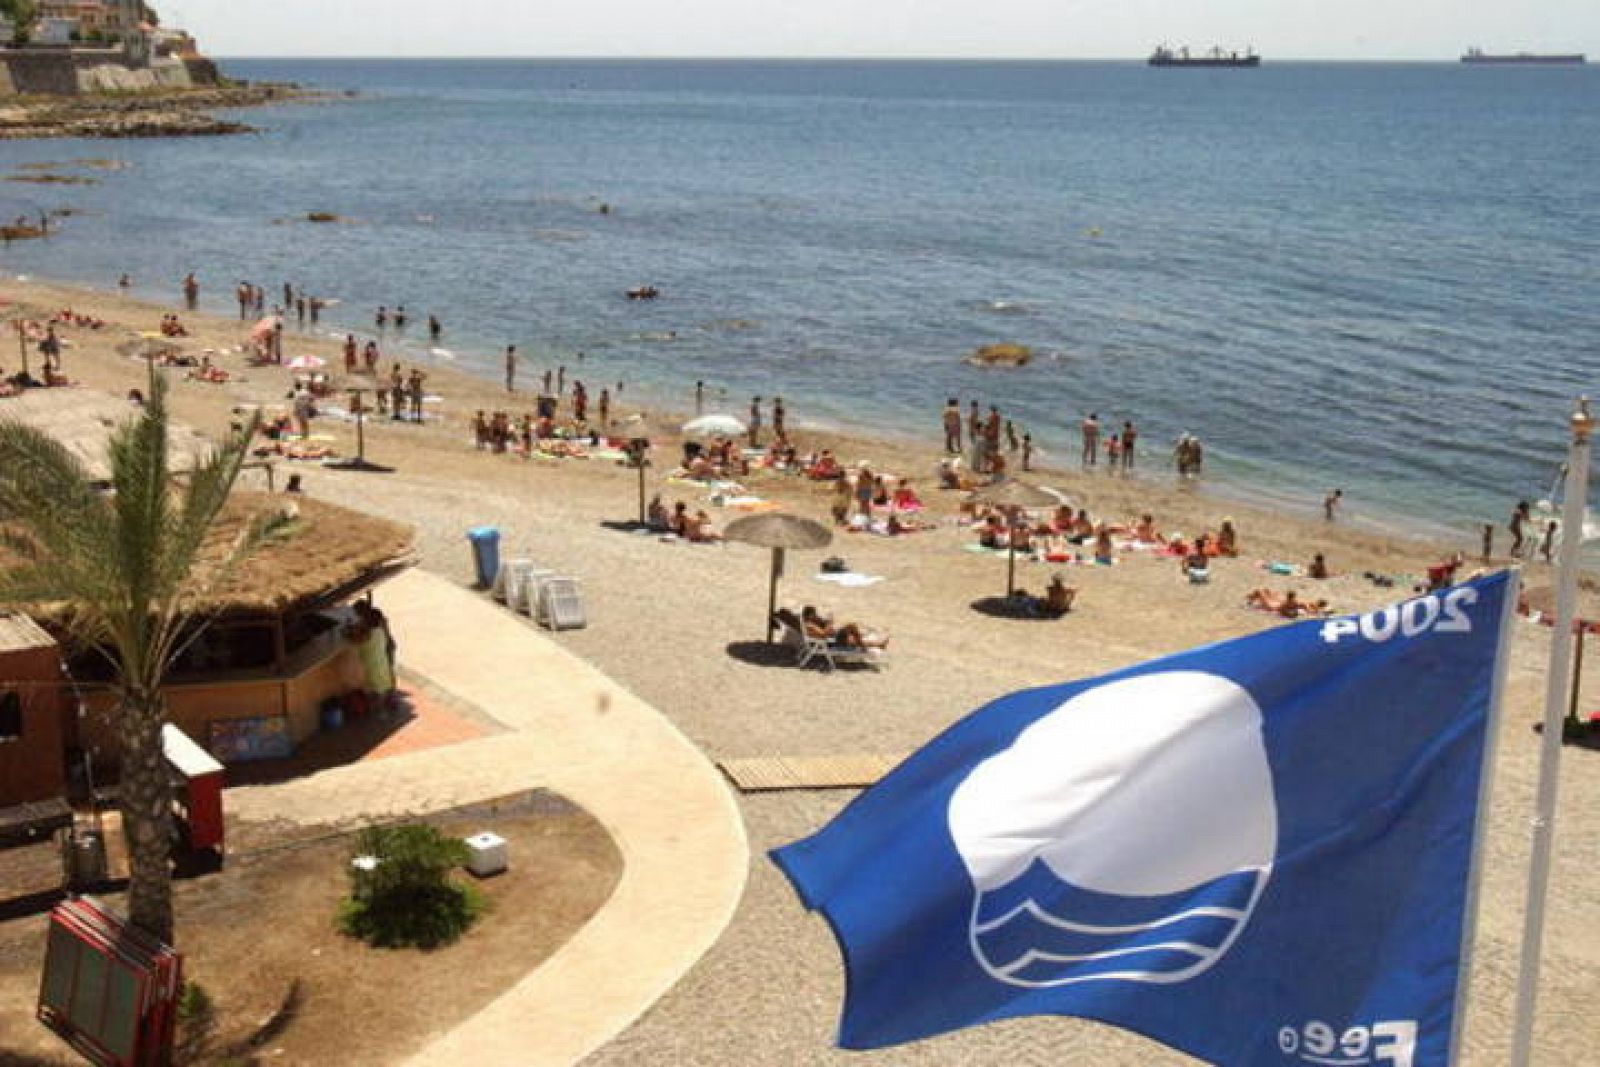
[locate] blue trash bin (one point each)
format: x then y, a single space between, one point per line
485 553
332 717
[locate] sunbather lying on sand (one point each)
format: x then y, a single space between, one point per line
1289 605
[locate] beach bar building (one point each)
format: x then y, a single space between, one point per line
254 681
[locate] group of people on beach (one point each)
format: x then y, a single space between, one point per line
984 433
1523 546
1062 536
402 399
678 522
1121 447
780 422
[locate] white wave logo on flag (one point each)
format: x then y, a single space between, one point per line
1126 836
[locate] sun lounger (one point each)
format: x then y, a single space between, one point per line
509 578
810 650
560 604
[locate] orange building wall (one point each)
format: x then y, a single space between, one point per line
193 707
34 766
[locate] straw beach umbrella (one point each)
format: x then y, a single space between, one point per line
779 532
1014 494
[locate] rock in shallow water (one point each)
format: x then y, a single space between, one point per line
1005 354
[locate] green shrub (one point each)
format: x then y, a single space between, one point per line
197 1025
195 1004
408 898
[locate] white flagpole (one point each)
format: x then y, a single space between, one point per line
1554 714
1491 745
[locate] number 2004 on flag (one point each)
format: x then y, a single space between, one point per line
1436 612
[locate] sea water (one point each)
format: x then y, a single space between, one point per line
1381 277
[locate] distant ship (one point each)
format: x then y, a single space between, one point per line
1478 55
1167 57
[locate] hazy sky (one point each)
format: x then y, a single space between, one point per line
1338 29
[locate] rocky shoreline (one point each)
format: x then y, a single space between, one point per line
159 113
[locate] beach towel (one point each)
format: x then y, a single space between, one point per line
850 579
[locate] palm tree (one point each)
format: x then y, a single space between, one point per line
124 566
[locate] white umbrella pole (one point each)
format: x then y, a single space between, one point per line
1550 751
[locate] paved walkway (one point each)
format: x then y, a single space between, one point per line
578 733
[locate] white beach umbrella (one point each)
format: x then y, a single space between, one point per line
712 425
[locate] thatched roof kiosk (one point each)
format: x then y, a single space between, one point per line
274 650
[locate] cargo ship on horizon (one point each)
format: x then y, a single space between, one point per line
1478 55
1168 57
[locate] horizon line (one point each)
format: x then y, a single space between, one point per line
592 57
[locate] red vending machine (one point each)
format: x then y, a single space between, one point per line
196 789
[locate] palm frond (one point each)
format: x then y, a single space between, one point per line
55 519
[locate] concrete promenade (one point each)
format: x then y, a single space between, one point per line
578 733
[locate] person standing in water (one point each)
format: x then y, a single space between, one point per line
511 368
1330 504
952 426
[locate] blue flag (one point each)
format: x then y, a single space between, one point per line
1256 852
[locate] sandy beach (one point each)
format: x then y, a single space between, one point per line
681 625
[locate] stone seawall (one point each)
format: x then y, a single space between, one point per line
63 72
45 73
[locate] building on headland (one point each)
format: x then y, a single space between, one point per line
75 46
129 26
89 20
